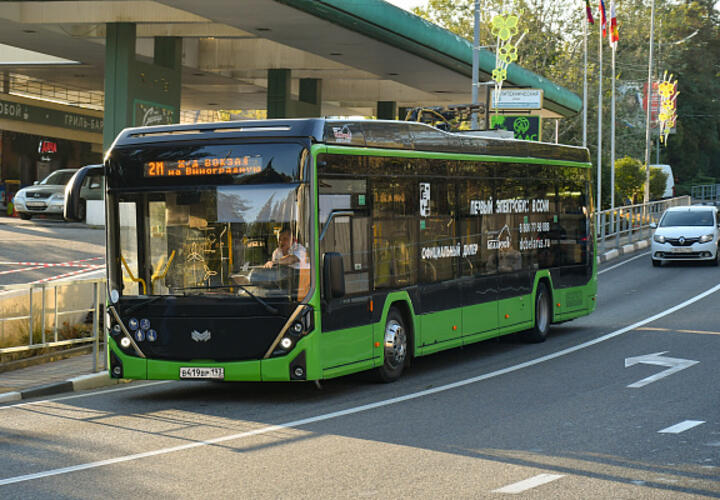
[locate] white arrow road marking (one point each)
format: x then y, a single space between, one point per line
681 427
674 364
527 484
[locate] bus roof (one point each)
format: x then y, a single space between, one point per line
386 134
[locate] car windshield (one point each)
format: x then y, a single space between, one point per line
687 218
58 178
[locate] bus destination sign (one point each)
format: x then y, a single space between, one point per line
236 165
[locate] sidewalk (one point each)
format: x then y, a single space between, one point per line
76 374
66 375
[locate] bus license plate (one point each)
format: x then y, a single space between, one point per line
202 372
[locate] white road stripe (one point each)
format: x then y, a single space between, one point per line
681 427
623 262
528 484
362 408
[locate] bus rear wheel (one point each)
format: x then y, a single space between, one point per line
395 345
543 314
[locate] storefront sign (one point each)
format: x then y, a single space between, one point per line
11 110
150 113
517 99
526 128
46 149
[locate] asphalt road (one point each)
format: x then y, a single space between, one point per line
45 249
571 418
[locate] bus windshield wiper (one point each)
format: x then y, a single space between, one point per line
268 307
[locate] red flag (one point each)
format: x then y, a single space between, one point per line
589 12
614 35
603 19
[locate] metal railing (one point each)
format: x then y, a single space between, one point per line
705 193
631 223
41 316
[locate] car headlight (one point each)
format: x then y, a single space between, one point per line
58 197
659 238
707 237
20 195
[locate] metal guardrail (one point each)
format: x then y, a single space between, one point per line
41 312
631 223
706 193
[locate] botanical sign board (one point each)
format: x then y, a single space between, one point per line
517 99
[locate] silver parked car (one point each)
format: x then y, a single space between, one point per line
687 233
47 197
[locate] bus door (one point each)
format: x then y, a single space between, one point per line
440 253
346 337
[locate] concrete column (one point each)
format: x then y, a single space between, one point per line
310 98
387 110
138 93
119 59
278 94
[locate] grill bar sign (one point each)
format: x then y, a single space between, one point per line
517 99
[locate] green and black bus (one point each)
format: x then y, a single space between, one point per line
405 240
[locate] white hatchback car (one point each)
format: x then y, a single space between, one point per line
686 233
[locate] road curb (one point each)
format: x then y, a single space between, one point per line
78 383
624 250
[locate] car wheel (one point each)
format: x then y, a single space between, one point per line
716 260
543 315
656 262
24 216
395 347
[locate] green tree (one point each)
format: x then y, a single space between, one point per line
629 180
658 182
553 48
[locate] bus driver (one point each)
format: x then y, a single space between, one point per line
289 252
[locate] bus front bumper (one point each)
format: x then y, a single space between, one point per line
292 366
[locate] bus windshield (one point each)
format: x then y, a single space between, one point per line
226 240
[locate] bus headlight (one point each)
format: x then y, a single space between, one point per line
124 342
286 343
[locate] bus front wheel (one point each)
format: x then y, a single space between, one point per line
395 346
543 314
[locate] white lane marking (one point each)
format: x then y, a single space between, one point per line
623 262
96 393
681 427
362 408
528 484
674 365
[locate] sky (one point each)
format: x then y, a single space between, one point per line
407 4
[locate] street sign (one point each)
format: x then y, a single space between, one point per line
517 99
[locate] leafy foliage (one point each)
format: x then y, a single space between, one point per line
687 44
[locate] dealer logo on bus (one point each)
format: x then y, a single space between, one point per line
200 337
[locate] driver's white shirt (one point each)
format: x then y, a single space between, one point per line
298 251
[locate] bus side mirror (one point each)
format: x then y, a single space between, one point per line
334 275
73 210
